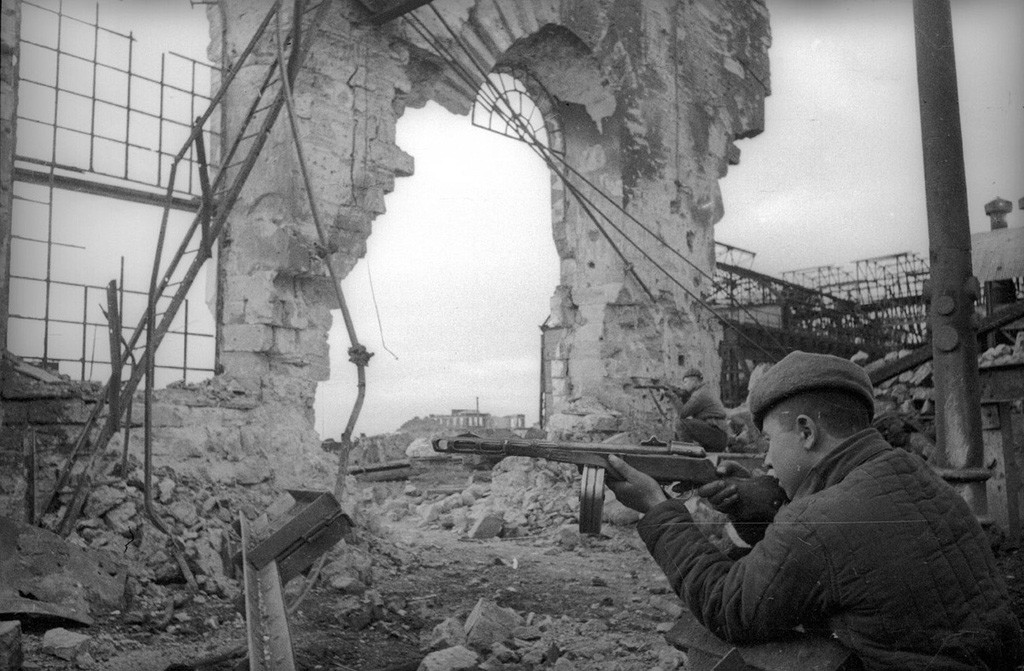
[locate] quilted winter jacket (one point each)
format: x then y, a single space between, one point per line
874 548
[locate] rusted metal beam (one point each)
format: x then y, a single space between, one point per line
310 528
84 185
952 287
266 622
924 353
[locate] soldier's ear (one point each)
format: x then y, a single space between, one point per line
808 431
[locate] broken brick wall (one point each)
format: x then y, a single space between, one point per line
210 432
649 97
275 293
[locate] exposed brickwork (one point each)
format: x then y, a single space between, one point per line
216 431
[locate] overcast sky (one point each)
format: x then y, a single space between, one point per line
463 264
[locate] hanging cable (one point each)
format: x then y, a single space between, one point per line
373 296
533 141
527 135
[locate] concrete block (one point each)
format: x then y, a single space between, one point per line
457 658
245 365
104 498
70 411
221 472
561 386
489 623
15 412
184 512
10 645
449 633
487 526
65 644
568 537
11 443
208 556
248 338
163 415
122 519
253 472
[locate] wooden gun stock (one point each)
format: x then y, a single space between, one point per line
686 463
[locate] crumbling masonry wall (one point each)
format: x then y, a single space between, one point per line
650 96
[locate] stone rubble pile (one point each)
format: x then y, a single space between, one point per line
524 497
905 404
493 638
911 392
197 514
201 515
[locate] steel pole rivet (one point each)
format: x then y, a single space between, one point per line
946 338
945 305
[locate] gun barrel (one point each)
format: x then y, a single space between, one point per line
526 447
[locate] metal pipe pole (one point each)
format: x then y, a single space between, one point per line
953 288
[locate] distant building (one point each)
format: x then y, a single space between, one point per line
474 419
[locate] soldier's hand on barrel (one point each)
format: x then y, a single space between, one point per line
635 489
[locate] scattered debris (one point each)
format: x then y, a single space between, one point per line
45 574
487 526
10 645
450 659
489 624
67 645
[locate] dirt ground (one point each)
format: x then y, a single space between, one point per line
599 604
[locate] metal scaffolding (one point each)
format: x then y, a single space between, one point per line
98 119
887 290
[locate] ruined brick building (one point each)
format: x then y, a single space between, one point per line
641 104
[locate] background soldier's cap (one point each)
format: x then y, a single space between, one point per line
800 372
693 372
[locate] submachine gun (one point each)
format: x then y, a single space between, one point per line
675 462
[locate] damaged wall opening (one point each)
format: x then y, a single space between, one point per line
478 207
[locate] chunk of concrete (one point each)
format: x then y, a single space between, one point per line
487 526
457 658
568 536
347 584
184 512
65 644
103 499
489 623
10 645
122 518
447 634
41 567
165 489
253 473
